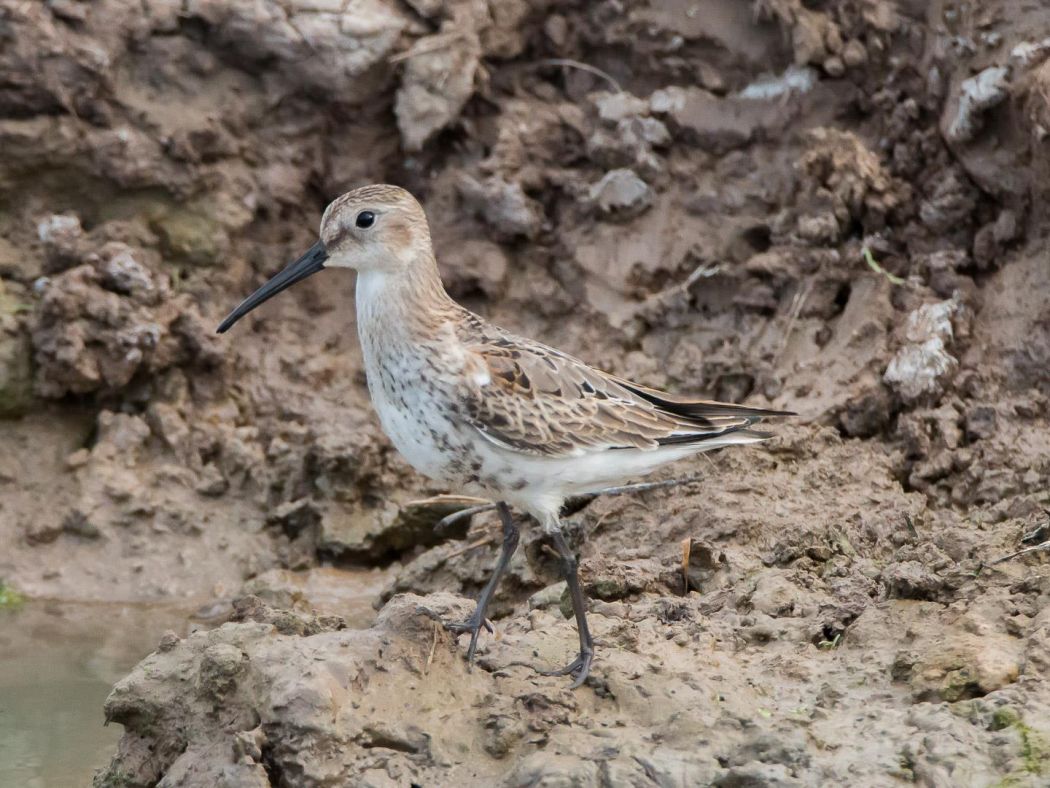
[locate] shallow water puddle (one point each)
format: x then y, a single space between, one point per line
58 662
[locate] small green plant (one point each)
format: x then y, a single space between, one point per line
906 764
1035 749
873 264
828 645
9 598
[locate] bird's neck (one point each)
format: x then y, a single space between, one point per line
404 305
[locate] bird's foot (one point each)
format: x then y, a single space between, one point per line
473 625
579 668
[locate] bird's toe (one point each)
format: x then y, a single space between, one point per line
579 669
471 625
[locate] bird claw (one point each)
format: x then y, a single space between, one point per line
443 528
579 669
473 625
470 625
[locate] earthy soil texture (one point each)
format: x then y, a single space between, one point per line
832 207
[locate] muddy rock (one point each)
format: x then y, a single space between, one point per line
844 182
191 237
607 581
52 90
628 137
950 201
980 422
323 47
942 270
242 664
992 239
62 237
480 267
867 413
379 531
921 368
962 116
965 667
503 205
756 774
101 323
815 35
621 192
711 122
794 79
438 80
912 580
450 566
614 107
279 674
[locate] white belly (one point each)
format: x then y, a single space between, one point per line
416 424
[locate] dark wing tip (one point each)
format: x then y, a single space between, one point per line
708 408
703 410
745 433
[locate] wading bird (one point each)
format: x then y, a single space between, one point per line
484 412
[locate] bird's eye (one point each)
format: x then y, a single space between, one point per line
365 219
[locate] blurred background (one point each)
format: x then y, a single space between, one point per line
832 207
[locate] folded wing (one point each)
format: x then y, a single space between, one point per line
534 399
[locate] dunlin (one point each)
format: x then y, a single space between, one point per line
482 411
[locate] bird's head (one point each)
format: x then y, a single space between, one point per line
374 228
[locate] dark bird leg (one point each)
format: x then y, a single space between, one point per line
581 666
474 624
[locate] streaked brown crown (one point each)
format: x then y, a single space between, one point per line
403 222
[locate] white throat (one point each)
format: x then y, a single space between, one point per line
372 298
370 286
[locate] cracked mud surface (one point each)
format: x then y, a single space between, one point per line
834 208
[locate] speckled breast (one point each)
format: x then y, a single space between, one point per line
420 421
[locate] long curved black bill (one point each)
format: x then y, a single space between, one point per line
309 263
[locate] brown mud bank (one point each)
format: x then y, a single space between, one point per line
836 208
843 649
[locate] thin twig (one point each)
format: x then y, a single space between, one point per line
1034 549
1038 533
427 45
702 271
446 522
569 63
797 303
433 648
469 547
687 548
289 19
600 521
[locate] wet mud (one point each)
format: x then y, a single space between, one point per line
833 208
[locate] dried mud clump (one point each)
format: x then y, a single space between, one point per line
438 81
102 323
923 366
845 184
326 48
